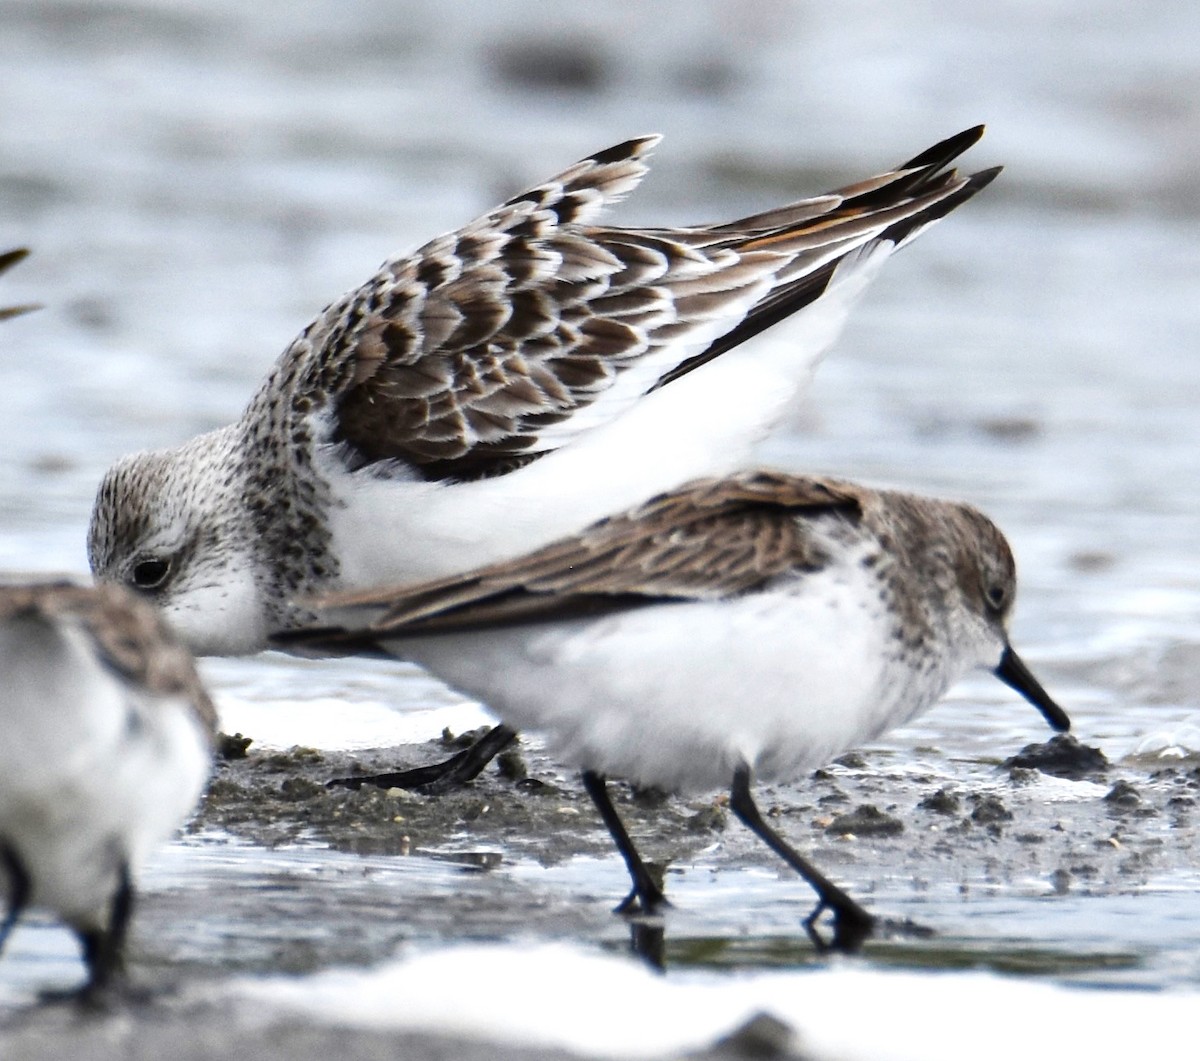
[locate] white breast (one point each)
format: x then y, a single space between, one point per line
677 695
93 771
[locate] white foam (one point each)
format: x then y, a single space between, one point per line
336 724
559 996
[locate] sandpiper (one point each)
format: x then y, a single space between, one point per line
736 628
7 260
105 744
504 386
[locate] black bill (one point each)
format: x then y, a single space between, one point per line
1017 676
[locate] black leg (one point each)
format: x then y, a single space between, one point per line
852 925
104 949
19 889
646 897
440 777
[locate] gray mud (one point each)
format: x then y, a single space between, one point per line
1119 822
281 873
273 798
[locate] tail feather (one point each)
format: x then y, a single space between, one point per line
892 208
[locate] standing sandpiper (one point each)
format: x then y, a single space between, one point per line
749 627
106 739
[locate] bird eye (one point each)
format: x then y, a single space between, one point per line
150 574
997 596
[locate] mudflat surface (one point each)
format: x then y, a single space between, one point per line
969 865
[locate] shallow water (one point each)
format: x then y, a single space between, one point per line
197 179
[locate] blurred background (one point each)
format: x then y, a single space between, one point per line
197 178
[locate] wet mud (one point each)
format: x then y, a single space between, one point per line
1022 811
364 872
273 798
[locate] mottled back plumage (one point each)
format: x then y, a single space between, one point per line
475 351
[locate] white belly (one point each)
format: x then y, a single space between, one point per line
678 695
92 774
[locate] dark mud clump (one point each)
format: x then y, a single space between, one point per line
1061 756
989 810
865 820
943 801
1123 798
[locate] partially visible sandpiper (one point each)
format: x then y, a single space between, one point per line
106 740
7 260
748 627
506 385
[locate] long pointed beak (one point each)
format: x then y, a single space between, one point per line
1017 676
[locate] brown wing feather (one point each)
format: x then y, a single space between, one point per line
711 539
458 359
